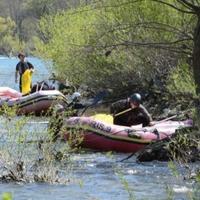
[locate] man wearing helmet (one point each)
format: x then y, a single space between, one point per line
130 111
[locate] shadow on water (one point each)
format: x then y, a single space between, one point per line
78 175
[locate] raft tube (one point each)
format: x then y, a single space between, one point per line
36 103
94 134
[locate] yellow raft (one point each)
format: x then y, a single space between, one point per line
103 118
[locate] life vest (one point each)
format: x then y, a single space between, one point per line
26 81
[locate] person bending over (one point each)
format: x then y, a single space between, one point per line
130 111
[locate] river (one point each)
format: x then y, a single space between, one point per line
93 175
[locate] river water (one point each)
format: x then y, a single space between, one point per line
94 175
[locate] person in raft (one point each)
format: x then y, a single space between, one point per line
130 112
25 79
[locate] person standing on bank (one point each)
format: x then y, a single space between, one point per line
130 112
21 67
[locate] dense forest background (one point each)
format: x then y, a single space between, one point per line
19 21
120 45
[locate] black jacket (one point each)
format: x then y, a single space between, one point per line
135 116
21 67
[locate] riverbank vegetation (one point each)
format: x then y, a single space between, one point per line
144 39
127 46
147 40
124 46
21 18
92 42
29 156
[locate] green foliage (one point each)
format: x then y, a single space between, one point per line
170 193
97 44
7 196
29 154
126 185
173 169
8 42
181 79
25 15
40 8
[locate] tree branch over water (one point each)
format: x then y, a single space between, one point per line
173 6
189 5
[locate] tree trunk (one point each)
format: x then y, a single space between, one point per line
196 56
196 67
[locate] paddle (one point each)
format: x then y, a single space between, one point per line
150 128
173 116
157 122
166 119
122 112
97 98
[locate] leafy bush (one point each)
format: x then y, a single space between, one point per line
8 42
181 80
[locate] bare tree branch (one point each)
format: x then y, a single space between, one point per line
145 25
197 2
188 4
185 5
171 46
173 6
154 46
97 7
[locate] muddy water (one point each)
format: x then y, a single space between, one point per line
92 175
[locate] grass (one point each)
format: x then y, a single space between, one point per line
7 196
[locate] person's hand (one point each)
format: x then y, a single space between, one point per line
137 127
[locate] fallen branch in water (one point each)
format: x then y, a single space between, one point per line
183 144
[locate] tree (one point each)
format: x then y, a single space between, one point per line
8 42
26 13
191 7
104 38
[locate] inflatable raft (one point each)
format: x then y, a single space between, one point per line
36 103
90 133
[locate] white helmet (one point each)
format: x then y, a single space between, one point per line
75 96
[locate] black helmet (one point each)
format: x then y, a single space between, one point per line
136 97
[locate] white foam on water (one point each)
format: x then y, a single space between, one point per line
181 189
